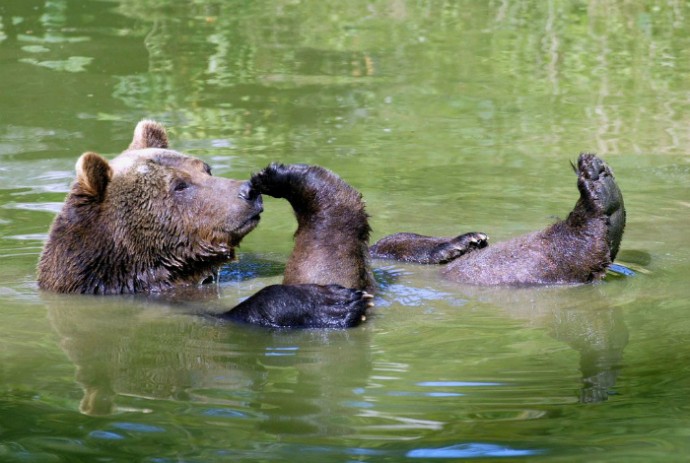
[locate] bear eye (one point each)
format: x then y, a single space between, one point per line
180 185
207 169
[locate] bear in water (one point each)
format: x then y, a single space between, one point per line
575 250
153 219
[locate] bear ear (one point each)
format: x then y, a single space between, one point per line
149 134
93 175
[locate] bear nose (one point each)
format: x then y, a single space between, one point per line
247 192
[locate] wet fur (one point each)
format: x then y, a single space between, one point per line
332 237
126 227
153 219
575 250
421 249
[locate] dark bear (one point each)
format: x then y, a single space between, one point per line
153 219
575 250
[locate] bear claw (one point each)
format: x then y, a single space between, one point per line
480 239
458 246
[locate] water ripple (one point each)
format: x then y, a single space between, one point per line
471 450
137 427
457 383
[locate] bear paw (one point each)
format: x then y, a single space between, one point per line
458 246
420 249
600 198
303 306
340 308
598 190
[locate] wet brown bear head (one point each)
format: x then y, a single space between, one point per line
150 219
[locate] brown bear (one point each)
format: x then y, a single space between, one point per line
154 218
575 250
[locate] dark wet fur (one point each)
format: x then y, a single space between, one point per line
304 306
155 219
420 249
332 237
575 250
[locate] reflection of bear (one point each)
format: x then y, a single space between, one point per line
575 250
129 356
153 219
588 319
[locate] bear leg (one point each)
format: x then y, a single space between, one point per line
600 197
411 247
575 250
332 237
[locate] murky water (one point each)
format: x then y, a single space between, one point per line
448 117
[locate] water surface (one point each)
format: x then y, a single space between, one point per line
448 117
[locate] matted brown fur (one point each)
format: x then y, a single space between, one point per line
150 219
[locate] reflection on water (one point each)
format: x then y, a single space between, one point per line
129 353
127 346
449 117
472 450
582 317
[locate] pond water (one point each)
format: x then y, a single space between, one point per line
449 117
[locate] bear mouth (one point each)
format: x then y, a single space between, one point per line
235 235
249 224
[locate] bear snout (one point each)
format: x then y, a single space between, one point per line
248 192
252 196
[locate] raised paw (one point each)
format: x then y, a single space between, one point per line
276 179
600 198
598 190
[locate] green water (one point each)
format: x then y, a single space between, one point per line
449 117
